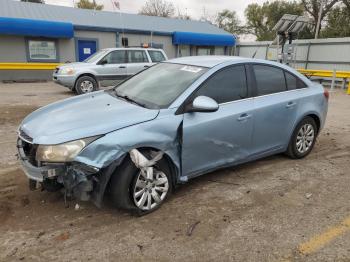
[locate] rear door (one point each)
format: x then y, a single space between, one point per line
112 66
220 138
275 109
137 61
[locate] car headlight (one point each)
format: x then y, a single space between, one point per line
67 71
65 152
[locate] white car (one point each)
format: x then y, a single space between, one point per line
106 64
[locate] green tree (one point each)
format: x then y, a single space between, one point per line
262 18
86 4
161 8
34 1
229 21
312 7
338 23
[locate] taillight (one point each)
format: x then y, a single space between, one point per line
326 93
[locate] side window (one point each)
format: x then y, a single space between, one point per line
137 56
269 79
293 82
156 56
42 50
227 85
115 57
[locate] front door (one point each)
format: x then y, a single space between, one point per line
86 48
113 66
220 138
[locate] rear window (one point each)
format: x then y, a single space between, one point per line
137 56
156 56
293 82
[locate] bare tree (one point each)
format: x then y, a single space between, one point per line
347 4
86 4
161 8
34 1
206 17
183 15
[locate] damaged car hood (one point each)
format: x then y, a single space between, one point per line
83 116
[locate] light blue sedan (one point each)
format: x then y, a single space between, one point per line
172 122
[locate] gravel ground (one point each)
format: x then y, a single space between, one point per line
261 211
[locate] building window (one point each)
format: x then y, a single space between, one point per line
42 50
205 50
125 41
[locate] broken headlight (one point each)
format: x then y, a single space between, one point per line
65 152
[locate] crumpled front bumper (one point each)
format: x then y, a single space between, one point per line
37 173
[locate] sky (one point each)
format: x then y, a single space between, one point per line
194 8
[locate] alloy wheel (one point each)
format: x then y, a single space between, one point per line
150 189
305 138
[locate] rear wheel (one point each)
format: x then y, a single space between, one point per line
303 138
85 84
133 190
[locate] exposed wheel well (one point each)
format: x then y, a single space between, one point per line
168 159
317 121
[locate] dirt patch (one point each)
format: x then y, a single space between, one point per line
15 114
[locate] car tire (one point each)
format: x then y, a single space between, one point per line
123 187
303 138
85 84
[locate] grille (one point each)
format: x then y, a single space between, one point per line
29 151
25 137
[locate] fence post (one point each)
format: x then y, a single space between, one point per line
333 79
344 83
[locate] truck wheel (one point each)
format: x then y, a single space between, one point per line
85 84
131 190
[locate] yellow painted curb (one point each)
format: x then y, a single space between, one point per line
318 241
325 73
28 66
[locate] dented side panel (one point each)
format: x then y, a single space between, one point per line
160 134
221 138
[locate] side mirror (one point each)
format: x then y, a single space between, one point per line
203 104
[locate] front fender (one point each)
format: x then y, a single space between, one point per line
107 153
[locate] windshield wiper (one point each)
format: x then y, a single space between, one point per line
127 98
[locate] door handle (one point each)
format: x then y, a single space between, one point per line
122 67
290 104
243 117
146 66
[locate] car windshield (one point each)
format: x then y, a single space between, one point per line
96 56
158 86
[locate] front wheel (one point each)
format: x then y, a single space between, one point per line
140 193
303 138
85 84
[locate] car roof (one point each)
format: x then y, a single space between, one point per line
206 61
131 48
212 61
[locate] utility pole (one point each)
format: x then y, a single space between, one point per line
318 25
